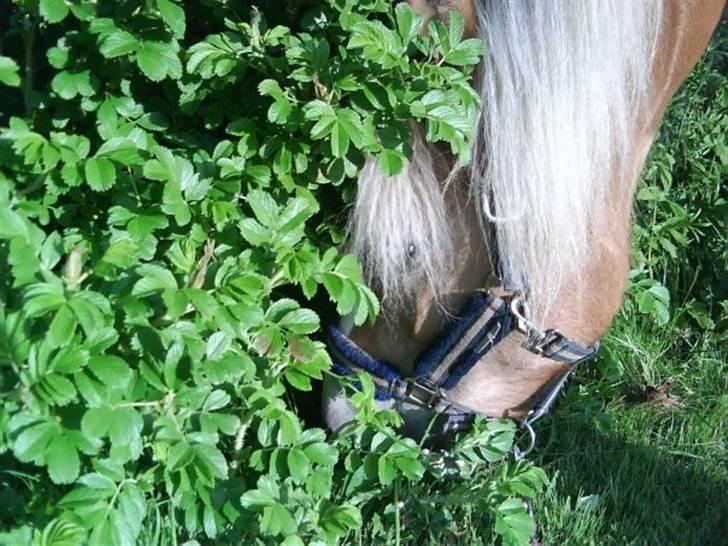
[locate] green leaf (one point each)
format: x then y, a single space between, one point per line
467 52
409 24
391 162
254 233
57 390
264 207
100 173
111 370
229 368
298 464
68 85
128 518
53 11
122 149
121 425
322 453
62 327
513 522
9 72
173 16
69 360
211 460
158 60
277 520
300 321
154 278
31 443
62 533
386 470
39 299
217 345
411 468
118 43
62 459
339 140
456 28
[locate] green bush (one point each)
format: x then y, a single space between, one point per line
172 181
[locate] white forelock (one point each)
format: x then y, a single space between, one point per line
400 228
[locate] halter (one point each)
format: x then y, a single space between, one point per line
486 320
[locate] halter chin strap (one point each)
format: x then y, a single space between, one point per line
486 320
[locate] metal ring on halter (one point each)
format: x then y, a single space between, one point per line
518 453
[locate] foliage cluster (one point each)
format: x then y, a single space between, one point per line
171 181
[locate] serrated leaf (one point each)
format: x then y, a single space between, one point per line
298 464
111 370
100 173
467 52
391 162
128 517
62 459
118 43
229 368
217 344
62 327
9 72
159 60
409 24
513 522
71 84
264 207
69 360
173 16
386 470
277 520
154 278
253 232
211 460
31 443
300 321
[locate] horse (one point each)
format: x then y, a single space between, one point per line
534 231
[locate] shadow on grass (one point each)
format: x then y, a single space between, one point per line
613 489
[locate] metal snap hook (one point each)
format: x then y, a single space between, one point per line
519 453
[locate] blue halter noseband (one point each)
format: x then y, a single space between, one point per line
486 320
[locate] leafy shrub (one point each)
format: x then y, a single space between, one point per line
172 181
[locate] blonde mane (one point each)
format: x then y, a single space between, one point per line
561 86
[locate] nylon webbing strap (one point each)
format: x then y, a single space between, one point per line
482 324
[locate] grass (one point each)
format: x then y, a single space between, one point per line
638 450
649 469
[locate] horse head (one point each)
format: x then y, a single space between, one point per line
498 277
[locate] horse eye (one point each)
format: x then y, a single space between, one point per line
411 251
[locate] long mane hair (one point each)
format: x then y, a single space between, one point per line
561 87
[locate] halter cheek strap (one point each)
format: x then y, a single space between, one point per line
486 320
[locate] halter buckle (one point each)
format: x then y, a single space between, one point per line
537 340
421 394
